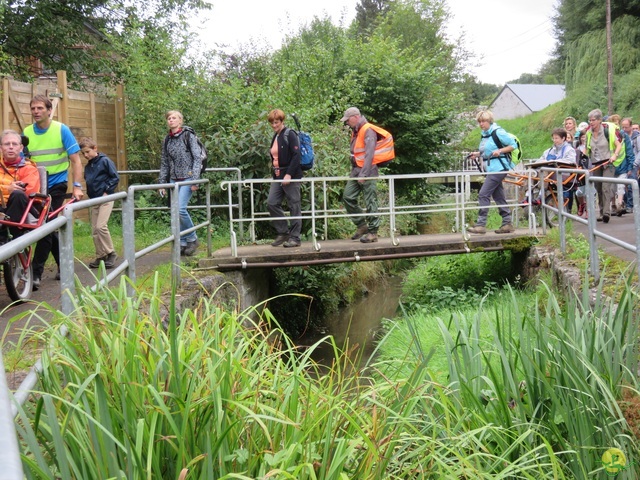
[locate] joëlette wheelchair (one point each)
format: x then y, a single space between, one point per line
18 269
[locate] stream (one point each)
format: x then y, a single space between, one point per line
357 325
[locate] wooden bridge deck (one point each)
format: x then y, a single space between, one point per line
342 251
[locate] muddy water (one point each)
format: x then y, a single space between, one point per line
356 326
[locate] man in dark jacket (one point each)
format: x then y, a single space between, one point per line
285 163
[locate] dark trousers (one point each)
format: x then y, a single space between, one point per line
50 243
277 193
352 190
16 205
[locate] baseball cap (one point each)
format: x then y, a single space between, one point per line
349 112
583 125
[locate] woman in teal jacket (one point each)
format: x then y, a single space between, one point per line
496 159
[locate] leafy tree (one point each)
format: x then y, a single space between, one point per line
368 13
52 31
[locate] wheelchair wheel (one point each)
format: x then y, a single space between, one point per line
550 216
18 277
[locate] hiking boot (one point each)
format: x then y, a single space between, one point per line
36 283
369 237
477 229
292 242
362 229
605 218
110 260
280 239
621 211
506 228
191 248
96 262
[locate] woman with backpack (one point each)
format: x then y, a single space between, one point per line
285 166
181 160
496 159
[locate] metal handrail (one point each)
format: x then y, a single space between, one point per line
320 214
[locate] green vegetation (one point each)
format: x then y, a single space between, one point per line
456 281
519 359
209 398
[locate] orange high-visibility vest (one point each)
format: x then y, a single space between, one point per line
384 151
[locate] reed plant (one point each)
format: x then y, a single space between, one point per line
552 376
226 395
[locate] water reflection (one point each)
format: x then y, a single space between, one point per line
357 325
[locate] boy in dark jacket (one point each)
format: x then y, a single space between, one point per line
102 178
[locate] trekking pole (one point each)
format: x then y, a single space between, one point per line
295 119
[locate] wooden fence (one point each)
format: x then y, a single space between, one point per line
86 114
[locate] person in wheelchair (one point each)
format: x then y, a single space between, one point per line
19 178
564 154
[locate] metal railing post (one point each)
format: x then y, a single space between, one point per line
635 193
129 237
175 229
591 222
9 451
208 203
67 285
561 218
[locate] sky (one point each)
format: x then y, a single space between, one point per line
507 37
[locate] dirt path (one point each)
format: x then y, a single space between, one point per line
13 318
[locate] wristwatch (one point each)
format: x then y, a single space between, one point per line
77 185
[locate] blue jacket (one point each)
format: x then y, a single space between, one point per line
101 176
488 146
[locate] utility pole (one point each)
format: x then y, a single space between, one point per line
609 61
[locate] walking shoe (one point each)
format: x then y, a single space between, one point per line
280 239
477 229
191 248
58 274
369 237
506 228
110 260
292 242
605 218
36 283
362 229
621 211
599 219
96 262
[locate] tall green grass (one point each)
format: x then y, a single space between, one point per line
226 395
549 374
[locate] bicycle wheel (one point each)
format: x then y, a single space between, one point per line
18 277
550 216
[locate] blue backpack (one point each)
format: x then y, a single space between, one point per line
306 147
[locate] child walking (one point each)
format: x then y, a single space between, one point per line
102 178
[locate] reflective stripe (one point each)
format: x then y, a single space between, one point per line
51 163
51 151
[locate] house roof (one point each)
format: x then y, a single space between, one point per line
536 97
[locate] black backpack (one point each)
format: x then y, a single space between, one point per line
187 144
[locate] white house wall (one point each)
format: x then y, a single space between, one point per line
507 105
